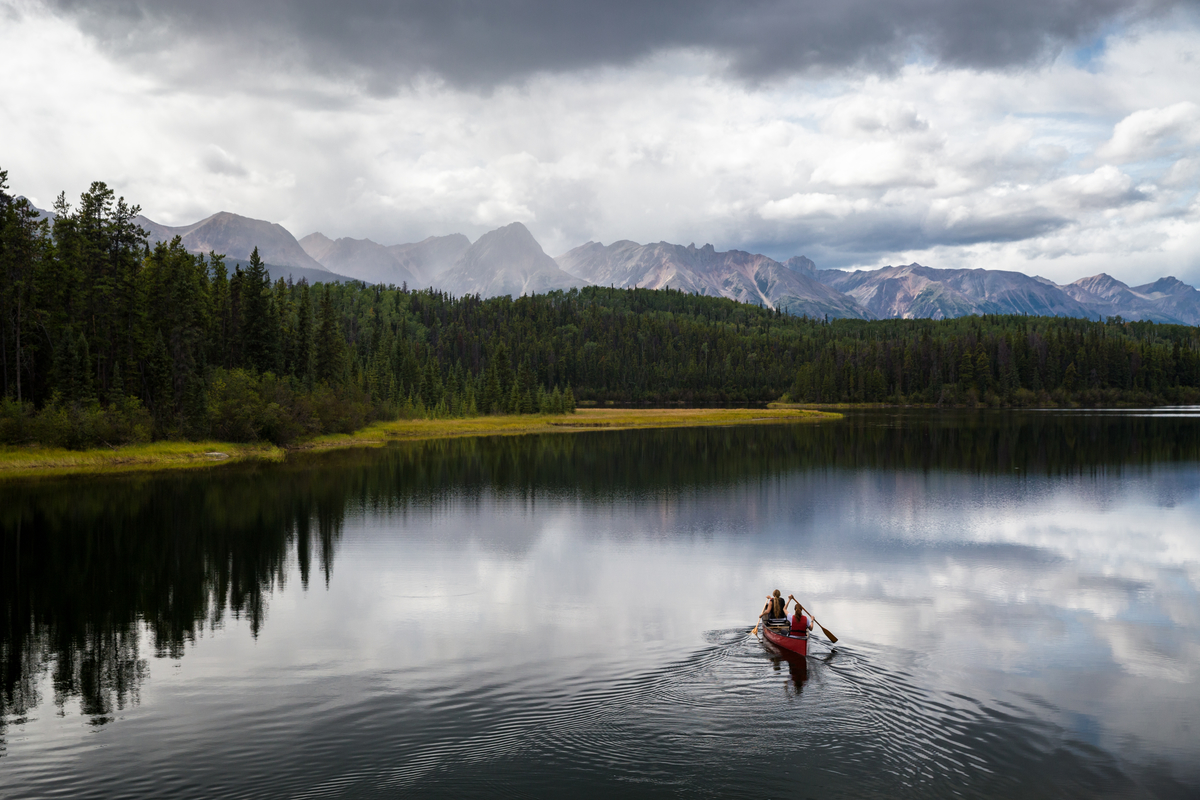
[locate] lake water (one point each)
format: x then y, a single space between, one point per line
1015 595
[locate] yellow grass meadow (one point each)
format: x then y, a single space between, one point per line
26 462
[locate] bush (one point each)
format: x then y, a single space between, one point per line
240 406
235 408
15 420
76 426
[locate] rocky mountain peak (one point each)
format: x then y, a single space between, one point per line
514 235
509 261
1168 285
801 264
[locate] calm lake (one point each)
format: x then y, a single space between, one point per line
1016 595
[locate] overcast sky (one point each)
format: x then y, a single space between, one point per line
1055 137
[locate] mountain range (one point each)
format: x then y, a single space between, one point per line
735 274
235 236
417 264
509 261
914 291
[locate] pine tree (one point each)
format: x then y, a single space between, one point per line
966 371
330 344
257 328
220 320
302 363
489 401
1070 378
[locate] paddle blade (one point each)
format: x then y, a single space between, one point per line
754 631
828 635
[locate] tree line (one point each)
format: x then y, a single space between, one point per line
104 339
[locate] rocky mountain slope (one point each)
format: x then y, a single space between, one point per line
1166 300
1172 296
417 264
735 274
429 258
914 291
508 261
235 236
360 259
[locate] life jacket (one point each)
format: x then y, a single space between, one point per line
799 624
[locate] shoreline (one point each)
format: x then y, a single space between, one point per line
39 462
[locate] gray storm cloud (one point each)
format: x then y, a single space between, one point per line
491 42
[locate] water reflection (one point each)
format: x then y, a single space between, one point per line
88 566
797 668
1015 580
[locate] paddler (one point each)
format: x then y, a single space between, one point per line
775 607
801 624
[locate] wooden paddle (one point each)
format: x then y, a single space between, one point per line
824 630
754 630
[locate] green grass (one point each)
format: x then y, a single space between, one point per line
589 419
33 461
36 461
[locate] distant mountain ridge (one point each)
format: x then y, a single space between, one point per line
361 259
915 291
736 274
430 257
1164 300
416 264
509 261
235 236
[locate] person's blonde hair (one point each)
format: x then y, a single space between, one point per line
775 593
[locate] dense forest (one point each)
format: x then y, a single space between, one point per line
105 340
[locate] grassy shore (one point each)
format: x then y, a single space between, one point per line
35 461
25 462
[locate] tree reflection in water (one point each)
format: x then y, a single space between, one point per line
88 566
89 569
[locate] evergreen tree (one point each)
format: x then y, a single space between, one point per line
259 343
489 402
302 364
24 250
330 345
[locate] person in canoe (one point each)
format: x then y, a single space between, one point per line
775 607
801 624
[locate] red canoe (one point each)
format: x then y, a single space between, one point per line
782 637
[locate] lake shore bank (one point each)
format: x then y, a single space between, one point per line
34 462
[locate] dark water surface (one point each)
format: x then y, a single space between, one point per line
1017 597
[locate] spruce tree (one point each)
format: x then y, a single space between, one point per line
302 363
258 343
330 344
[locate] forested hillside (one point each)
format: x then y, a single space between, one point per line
105 340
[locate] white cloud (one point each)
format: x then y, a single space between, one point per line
1105 187
877 164
810 204
216 160
1147 133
